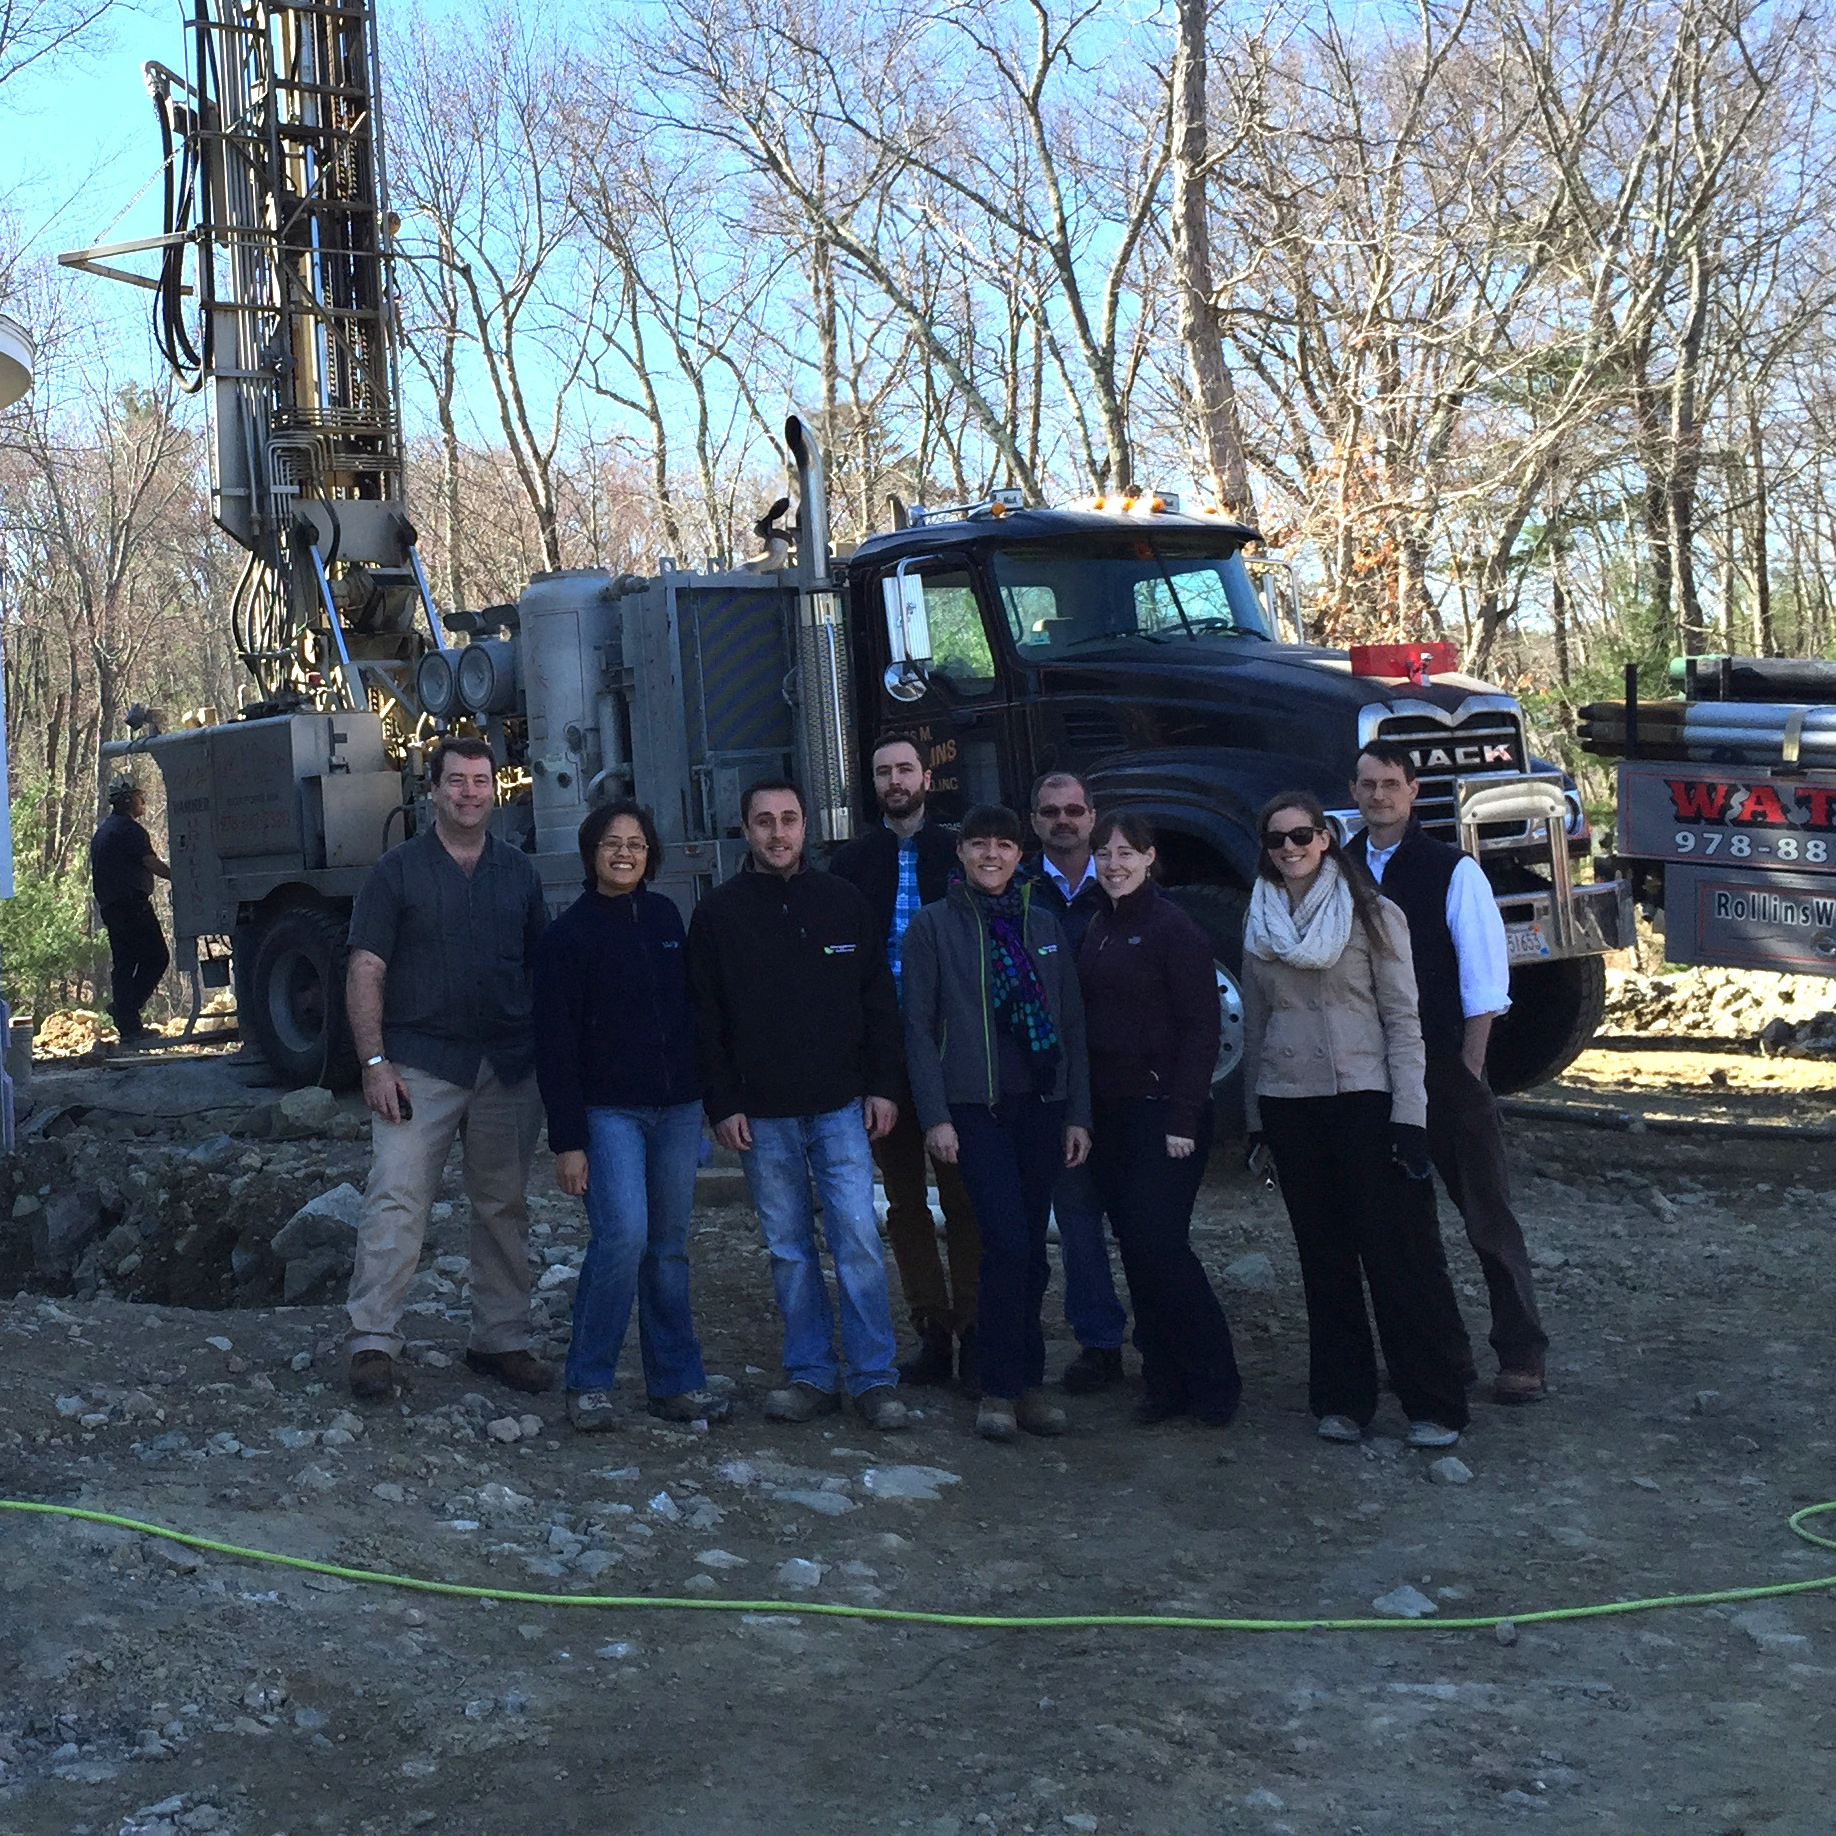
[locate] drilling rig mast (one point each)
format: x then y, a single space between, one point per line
274 293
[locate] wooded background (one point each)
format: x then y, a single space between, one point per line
1508 322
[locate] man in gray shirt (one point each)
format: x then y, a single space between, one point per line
439 994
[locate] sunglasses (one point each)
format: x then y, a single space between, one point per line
1052 811
1303 837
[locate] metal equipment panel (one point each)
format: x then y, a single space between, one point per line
1750 920
1722 813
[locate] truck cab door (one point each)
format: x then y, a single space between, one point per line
957 709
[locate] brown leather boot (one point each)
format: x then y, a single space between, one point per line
520 1370
372 1375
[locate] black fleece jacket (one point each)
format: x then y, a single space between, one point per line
795 1012
1150 1007
871 862
613 1025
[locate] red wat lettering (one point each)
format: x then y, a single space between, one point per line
1761 805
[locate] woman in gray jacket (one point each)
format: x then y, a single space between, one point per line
1333 1086
994 1048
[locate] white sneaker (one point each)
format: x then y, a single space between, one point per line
1339 1428
1432 1434
593 1411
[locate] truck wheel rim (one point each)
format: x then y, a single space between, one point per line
296 1001
1230 1024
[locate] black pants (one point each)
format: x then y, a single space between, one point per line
1353 1209
138 958
1467 1144
1187 1359
1010 1157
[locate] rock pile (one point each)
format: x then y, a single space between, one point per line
1780 1012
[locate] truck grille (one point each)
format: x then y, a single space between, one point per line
1487 741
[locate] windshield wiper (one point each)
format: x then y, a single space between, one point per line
1178 603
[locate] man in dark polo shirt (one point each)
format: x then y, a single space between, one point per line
440 1001
122 869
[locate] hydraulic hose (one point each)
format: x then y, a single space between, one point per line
1177 1622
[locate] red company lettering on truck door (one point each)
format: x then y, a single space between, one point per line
1760 804
1820 800
1697 800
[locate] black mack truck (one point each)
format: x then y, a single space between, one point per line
1143 650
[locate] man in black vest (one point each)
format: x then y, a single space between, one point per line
1463 979
903 862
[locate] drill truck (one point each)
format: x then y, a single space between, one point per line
1726 824
1149 649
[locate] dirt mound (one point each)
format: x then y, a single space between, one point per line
1778 1011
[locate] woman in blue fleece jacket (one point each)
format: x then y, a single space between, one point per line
615 1057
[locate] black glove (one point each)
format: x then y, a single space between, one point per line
1409 1149
1258 1161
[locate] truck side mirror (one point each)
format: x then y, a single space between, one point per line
908 635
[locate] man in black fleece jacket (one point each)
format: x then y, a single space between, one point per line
797 1036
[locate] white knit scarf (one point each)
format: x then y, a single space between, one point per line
1311 937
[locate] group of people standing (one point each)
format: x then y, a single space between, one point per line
1038 1038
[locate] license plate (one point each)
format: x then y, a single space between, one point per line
1526 943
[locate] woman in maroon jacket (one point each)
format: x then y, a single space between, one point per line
1151 1000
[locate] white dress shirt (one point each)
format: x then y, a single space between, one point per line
1064 885
1478 933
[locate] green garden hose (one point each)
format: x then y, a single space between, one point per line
1183 1622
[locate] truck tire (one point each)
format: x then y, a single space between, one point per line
1219 912
294 993
1555 1010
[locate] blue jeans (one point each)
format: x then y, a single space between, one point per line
1010 1157
1093 1310
789 1156
640 1190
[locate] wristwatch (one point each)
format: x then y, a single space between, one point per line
381 1058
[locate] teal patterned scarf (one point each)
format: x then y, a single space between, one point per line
1019 1000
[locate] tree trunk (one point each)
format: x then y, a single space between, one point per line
1214 397
1763 642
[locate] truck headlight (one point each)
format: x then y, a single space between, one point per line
487 676
1574 824
434 686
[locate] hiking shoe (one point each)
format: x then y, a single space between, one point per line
1339 1428
800 1402
519 1370
1432 1434
689 1406
1038 1415
1515 1387
880 1408
994 1419
1094 1368
969 1364
372 1375
592 1411
930 1364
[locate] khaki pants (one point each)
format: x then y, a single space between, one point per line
499 1124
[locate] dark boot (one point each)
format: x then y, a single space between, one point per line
969 1365
931 1363
1094 1368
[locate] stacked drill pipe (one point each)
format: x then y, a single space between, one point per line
1771 679
1713 732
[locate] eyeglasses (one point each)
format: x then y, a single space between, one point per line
620 850
1052 811
1303 837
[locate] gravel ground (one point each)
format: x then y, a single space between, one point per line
1688 1286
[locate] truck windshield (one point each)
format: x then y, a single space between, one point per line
1058 598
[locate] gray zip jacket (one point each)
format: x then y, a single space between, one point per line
950 1043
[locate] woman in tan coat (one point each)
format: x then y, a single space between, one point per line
1333 1089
